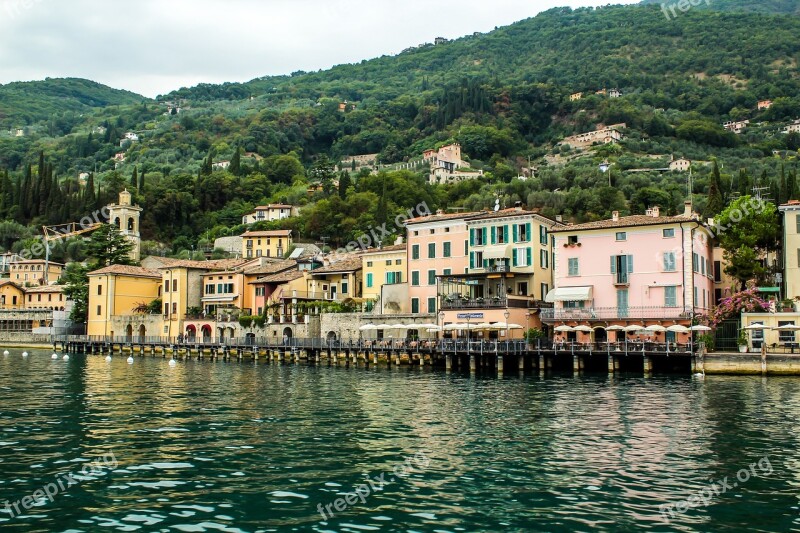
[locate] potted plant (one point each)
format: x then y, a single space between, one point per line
742 341
787 306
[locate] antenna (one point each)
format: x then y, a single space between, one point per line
497 204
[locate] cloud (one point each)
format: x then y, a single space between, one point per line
155 46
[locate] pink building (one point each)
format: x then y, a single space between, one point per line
437 245
637 270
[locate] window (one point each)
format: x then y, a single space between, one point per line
369 264
572 239
668 233
786 336
574 304
174 285
703 265
261 291
344 287
174 308
466 247
695 297
99 310
166 286
670 296
622 303
432 250
718 269
394 277
476 260
415 251
502 234
478 236
209 289
695 262
99 290
545 288
416 234
447 229
573 266
369 280
447 272
415 278
622 236
398 261
415 305
446 250
797 223
669 262
544 258
432 231
431 277
521 257
388 262
621 267
543 235
431 305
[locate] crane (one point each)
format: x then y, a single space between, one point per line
63 231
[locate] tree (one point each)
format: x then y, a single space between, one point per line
134 179
235 167
322 171
344 183
748 230
715 203
109 247
76 288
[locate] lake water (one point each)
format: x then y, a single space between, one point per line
212 446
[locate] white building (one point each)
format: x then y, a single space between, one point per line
268 213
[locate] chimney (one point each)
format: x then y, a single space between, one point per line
649 212
559 218
517 206
440 212
398 241
615 216
687 208
656 210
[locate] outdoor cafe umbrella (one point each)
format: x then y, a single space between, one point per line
614 328
787 327
678 328
656 328
632 327
753 327
368 327
563 328
583 328
700 327
515 326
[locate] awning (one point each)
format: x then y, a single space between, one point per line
215 299
501 251
569 294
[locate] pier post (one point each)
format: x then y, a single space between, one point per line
576 363
448 362
542 363
499 365
648 365
521 363
611 364
472 364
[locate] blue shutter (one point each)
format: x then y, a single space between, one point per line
613 264
530 256
630 264
494 235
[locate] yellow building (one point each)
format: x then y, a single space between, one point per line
338 281
47 297
32 272
11 295
791 248
724 284
117 290
266 243
385 277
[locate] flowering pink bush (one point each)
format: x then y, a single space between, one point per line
745 301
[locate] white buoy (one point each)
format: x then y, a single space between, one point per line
108 359
130 360
65 358
54 356
24 354
172 362
5 352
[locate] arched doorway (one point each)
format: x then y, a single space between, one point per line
142 333
331 337
131 226
250 338
600 335
191 332
206 330
287 333
129 332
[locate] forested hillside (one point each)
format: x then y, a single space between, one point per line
791 7
505 96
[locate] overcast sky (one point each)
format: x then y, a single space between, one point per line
154 46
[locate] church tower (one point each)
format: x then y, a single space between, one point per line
125 216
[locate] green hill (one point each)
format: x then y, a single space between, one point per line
787 7
25 103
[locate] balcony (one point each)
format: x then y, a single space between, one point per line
497 302
614 313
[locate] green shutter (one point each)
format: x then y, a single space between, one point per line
472 237
472 259
505 234
613 264
514 258
530 256
485 236
494 235
630 264
516 233
529 230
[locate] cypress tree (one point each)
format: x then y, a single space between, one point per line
89 198
744 183
140 187
715 203
134 179
236 162
344 183
784 191
791 185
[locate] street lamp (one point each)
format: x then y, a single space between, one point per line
441 325
507 315
468 333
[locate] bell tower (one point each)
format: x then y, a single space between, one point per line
125 216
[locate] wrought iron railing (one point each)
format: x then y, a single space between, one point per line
614 313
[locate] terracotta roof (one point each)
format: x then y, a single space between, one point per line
215 264
392 248
271 268
271 233
46 288
273 206
126 270
622 222
9 282
437 218
351 264
514 212
36 262
280 277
